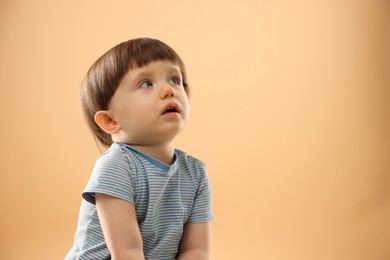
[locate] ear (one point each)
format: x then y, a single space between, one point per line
106 122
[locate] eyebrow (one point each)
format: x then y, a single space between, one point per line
142 75
146 74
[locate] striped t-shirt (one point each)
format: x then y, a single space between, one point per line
165 198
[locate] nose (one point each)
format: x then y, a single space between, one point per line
167 92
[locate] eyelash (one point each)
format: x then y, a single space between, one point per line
141 84
178 81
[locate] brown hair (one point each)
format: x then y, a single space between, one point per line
104 76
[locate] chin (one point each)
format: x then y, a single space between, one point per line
173 132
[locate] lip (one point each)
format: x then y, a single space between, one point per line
171 105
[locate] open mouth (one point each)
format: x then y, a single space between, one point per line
171 108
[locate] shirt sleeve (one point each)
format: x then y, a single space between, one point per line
201 210
111 176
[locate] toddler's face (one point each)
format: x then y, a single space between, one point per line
150 104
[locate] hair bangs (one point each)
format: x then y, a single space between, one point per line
147 50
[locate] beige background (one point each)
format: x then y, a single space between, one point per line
290 111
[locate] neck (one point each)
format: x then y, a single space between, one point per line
163 152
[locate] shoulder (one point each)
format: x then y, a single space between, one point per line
189 163
117 154
116 161
112 174
182 155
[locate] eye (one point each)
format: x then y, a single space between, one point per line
175 81
145 84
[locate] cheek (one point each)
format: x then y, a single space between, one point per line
185 102
187 109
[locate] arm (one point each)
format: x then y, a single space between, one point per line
120 228
195 244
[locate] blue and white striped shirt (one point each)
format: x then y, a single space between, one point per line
165 198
